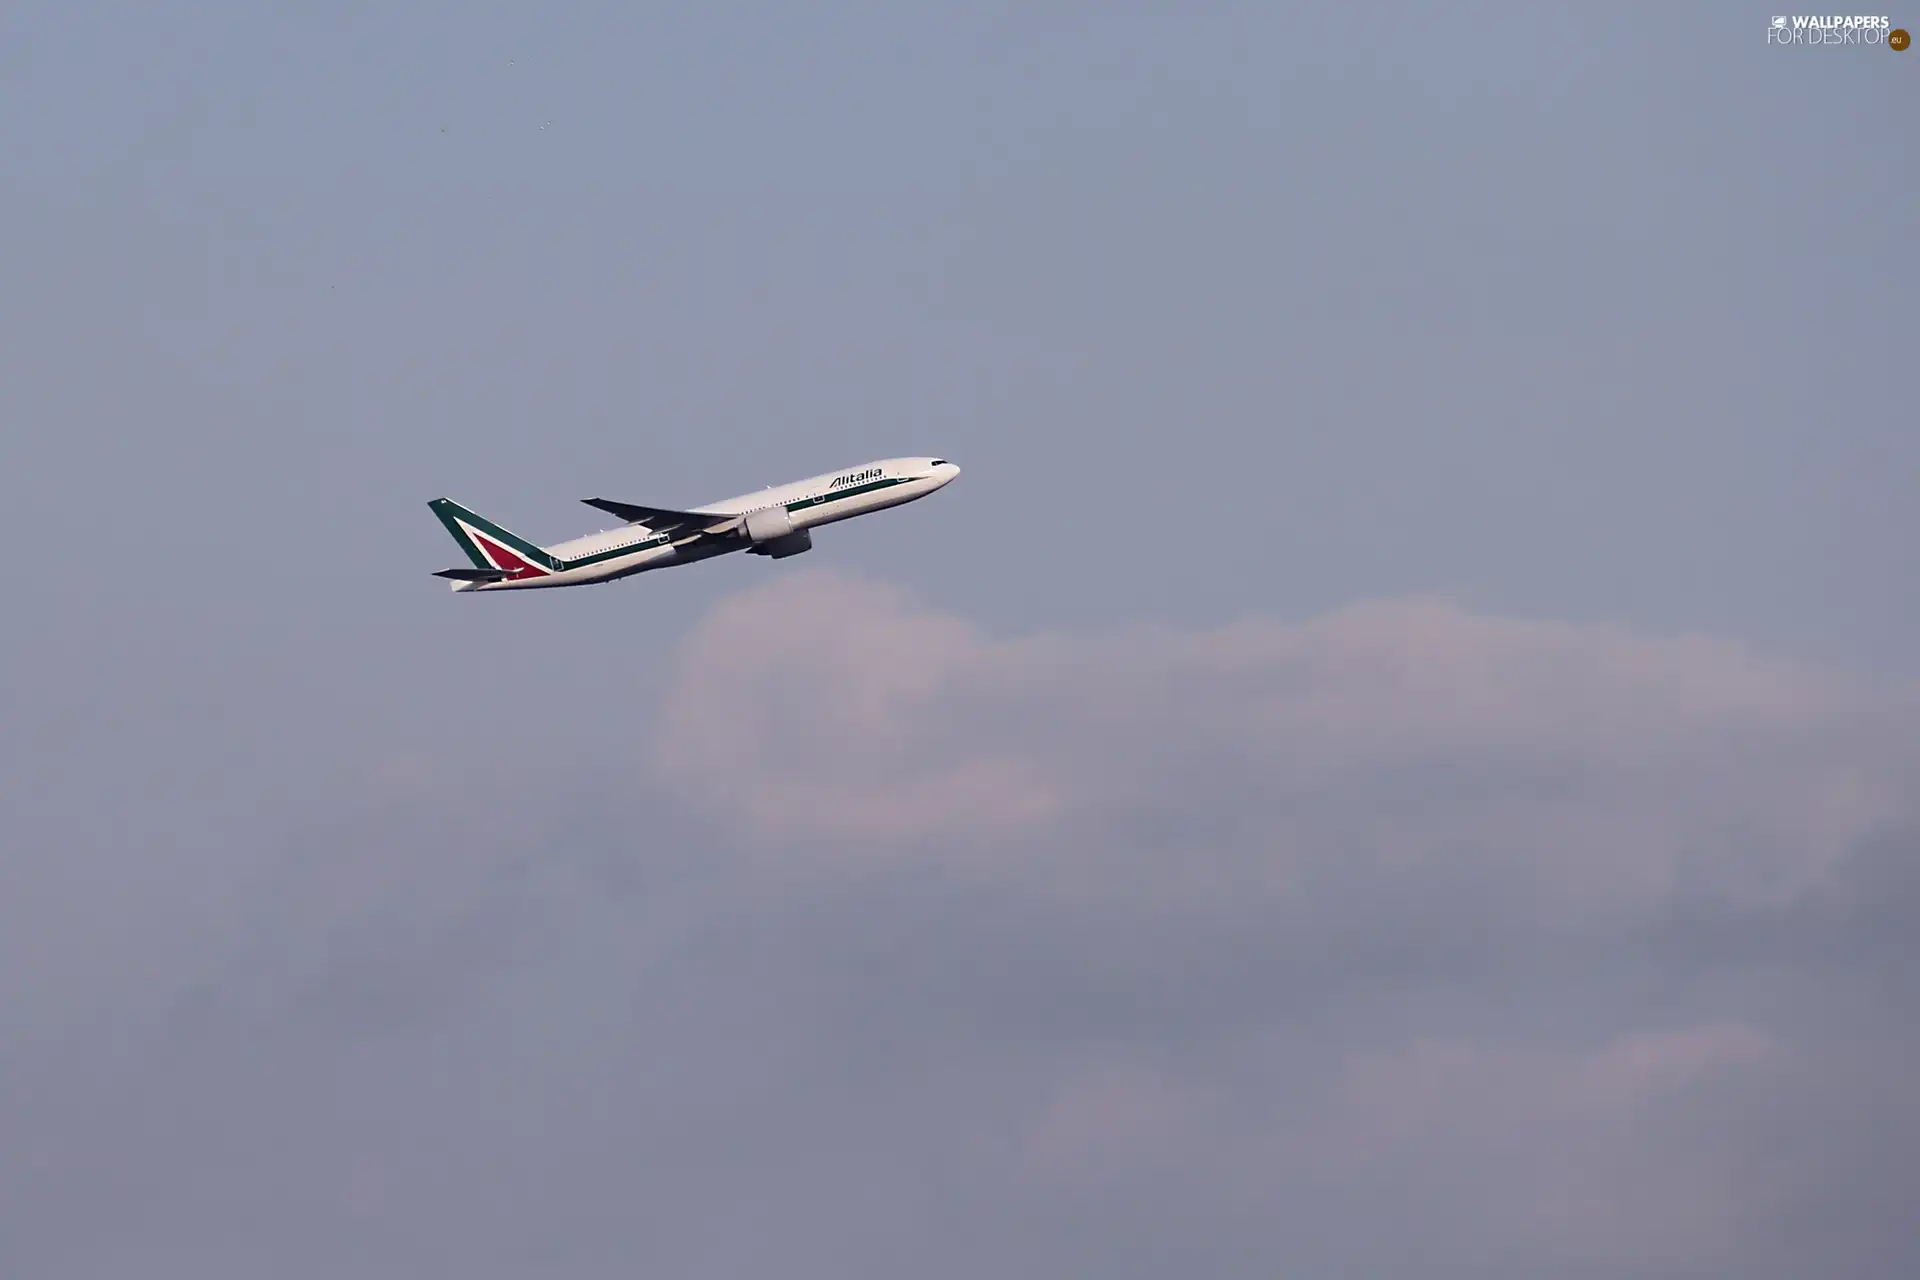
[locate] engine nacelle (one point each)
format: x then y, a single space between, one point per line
791 545
769 524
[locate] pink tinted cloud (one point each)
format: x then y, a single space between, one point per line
826 708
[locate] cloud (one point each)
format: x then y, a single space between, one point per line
1518 936
1583 769
1403 941
804 709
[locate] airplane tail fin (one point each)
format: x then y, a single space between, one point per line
491 547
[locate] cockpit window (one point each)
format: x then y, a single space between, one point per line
938 462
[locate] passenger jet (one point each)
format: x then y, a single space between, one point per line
776 522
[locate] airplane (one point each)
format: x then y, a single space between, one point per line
776 522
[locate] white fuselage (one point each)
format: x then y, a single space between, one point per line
810 503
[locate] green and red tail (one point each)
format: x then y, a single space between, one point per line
491 547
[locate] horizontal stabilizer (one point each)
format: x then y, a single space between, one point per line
475 575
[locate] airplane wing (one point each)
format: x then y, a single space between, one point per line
662 520
475 575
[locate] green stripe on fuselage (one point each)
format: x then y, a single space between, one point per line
852 490
614 553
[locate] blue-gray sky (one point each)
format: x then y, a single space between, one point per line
1396 757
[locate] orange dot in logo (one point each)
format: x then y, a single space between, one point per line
1898 39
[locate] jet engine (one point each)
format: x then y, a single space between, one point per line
791 545
772 533
768 524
